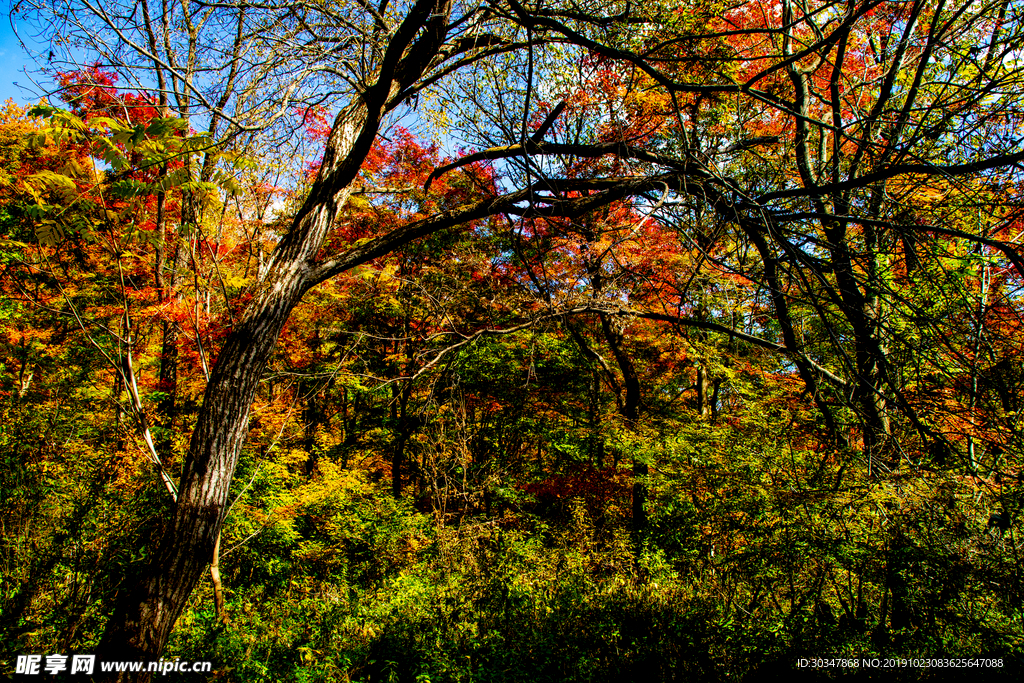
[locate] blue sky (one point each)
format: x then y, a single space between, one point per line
13 62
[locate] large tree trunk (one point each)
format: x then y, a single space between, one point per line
144 616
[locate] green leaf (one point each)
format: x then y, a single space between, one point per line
49 233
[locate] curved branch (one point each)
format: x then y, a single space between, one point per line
895 171
534 146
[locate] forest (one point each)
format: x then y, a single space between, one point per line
506 340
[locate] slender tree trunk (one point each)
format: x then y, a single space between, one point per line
594 419
979 335
167 407
871 351
25 372
312 418
630 410
703 380
403 432
897 584
704 389
218 586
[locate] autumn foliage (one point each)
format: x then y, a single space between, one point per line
735 380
